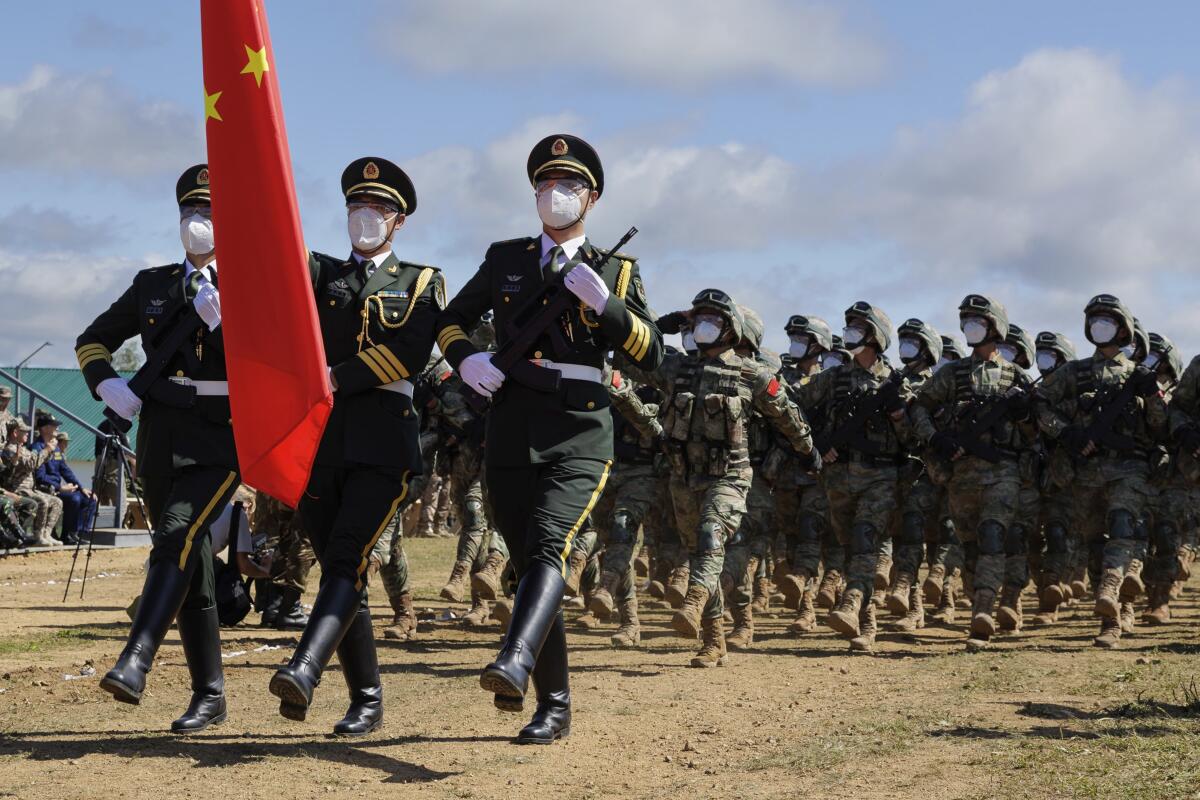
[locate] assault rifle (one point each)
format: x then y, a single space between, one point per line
538 316
864 407
1100 430
983 417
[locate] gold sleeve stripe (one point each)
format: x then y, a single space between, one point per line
643 341
381 370
93 358
390 357
449 335
92 352
451 341
623 279
633 334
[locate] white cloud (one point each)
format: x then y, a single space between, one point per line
673 43
88 123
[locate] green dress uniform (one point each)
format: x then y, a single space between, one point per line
188 466
377 327
548 454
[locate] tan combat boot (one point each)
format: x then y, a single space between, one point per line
883 573
897 598
1132 585
712 651
656 589
630 632
502 612
677 586
477 617
830 589
865 641
762 595
933 585
686 620
641 564
844 618
601 602
457 584
1010 616
806 619
404 620
1159 612
1108 602
742 635
915 618
983 624
1128 617
944 614
575 567
1110 634
1047 610
487 581
1054 592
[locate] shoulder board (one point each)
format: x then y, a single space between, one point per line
326 259
165 268
524 240
624 256
417 266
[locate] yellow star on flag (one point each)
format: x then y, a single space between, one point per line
210 106
256 63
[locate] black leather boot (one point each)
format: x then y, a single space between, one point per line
337 603
360 667
535 606
552 719
162 595
290 614
270 609
199 630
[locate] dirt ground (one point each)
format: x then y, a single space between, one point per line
1042 714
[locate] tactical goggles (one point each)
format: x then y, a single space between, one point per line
975 303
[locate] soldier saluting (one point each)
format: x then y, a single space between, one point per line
548 450
377 315
185 451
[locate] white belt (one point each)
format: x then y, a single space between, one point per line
572 372
204 388
399 387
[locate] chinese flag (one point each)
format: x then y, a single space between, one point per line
278 383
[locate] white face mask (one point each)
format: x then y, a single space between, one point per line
942 362
1150 361
1129 350
706 332
689 342
367 228
909 349
799 347
853 337
560 208
196 234
1103 330
1008 353
830 360
1046 360
975 329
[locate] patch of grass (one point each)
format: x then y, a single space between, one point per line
41 642
855 743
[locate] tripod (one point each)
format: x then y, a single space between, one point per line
112 445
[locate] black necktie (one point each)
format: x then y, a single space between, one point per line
552 265
193 284
368 268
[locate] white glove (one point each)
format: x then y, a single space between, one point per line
478 373
208 306
584 283
116 395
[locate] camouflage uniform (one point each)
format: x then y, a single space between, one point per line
20 463
1111 488
294 556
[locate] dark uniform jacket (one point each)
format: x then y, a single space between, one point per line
376 331
527 426
55 471
176 428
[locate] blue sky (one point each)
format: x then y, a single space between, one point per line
801 155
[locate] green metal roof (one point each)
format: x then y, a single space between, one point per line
67 388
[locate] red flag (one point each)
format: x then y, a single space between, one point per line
278 383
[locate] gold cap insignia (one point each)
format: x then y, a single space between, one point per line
559 148
370 171
202 177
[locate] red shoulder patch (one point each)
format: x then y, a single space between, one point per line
446 374
616 379
773 387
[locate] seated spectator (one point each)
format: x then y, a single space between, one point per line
5 399
17 467
56 477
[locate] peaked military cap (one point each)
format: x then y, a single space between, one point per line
566 152
5 391
379 177
192 186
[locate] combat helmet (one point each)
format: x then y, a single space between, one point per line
1163 350
1141 342
951 348
1020 339
978 305
815 328
879 324
914 328
1109 305
720 302
753 329
1056 342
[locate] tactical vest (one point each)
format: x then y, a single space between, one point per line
1090 393
878 429
707 417
1004 436
629 445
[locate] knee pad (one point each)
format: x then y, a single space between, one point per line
862 539
808 527
624 528
1056 539
947 533
912 529
711 537
1123 525
1016 541
990 538
473 513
